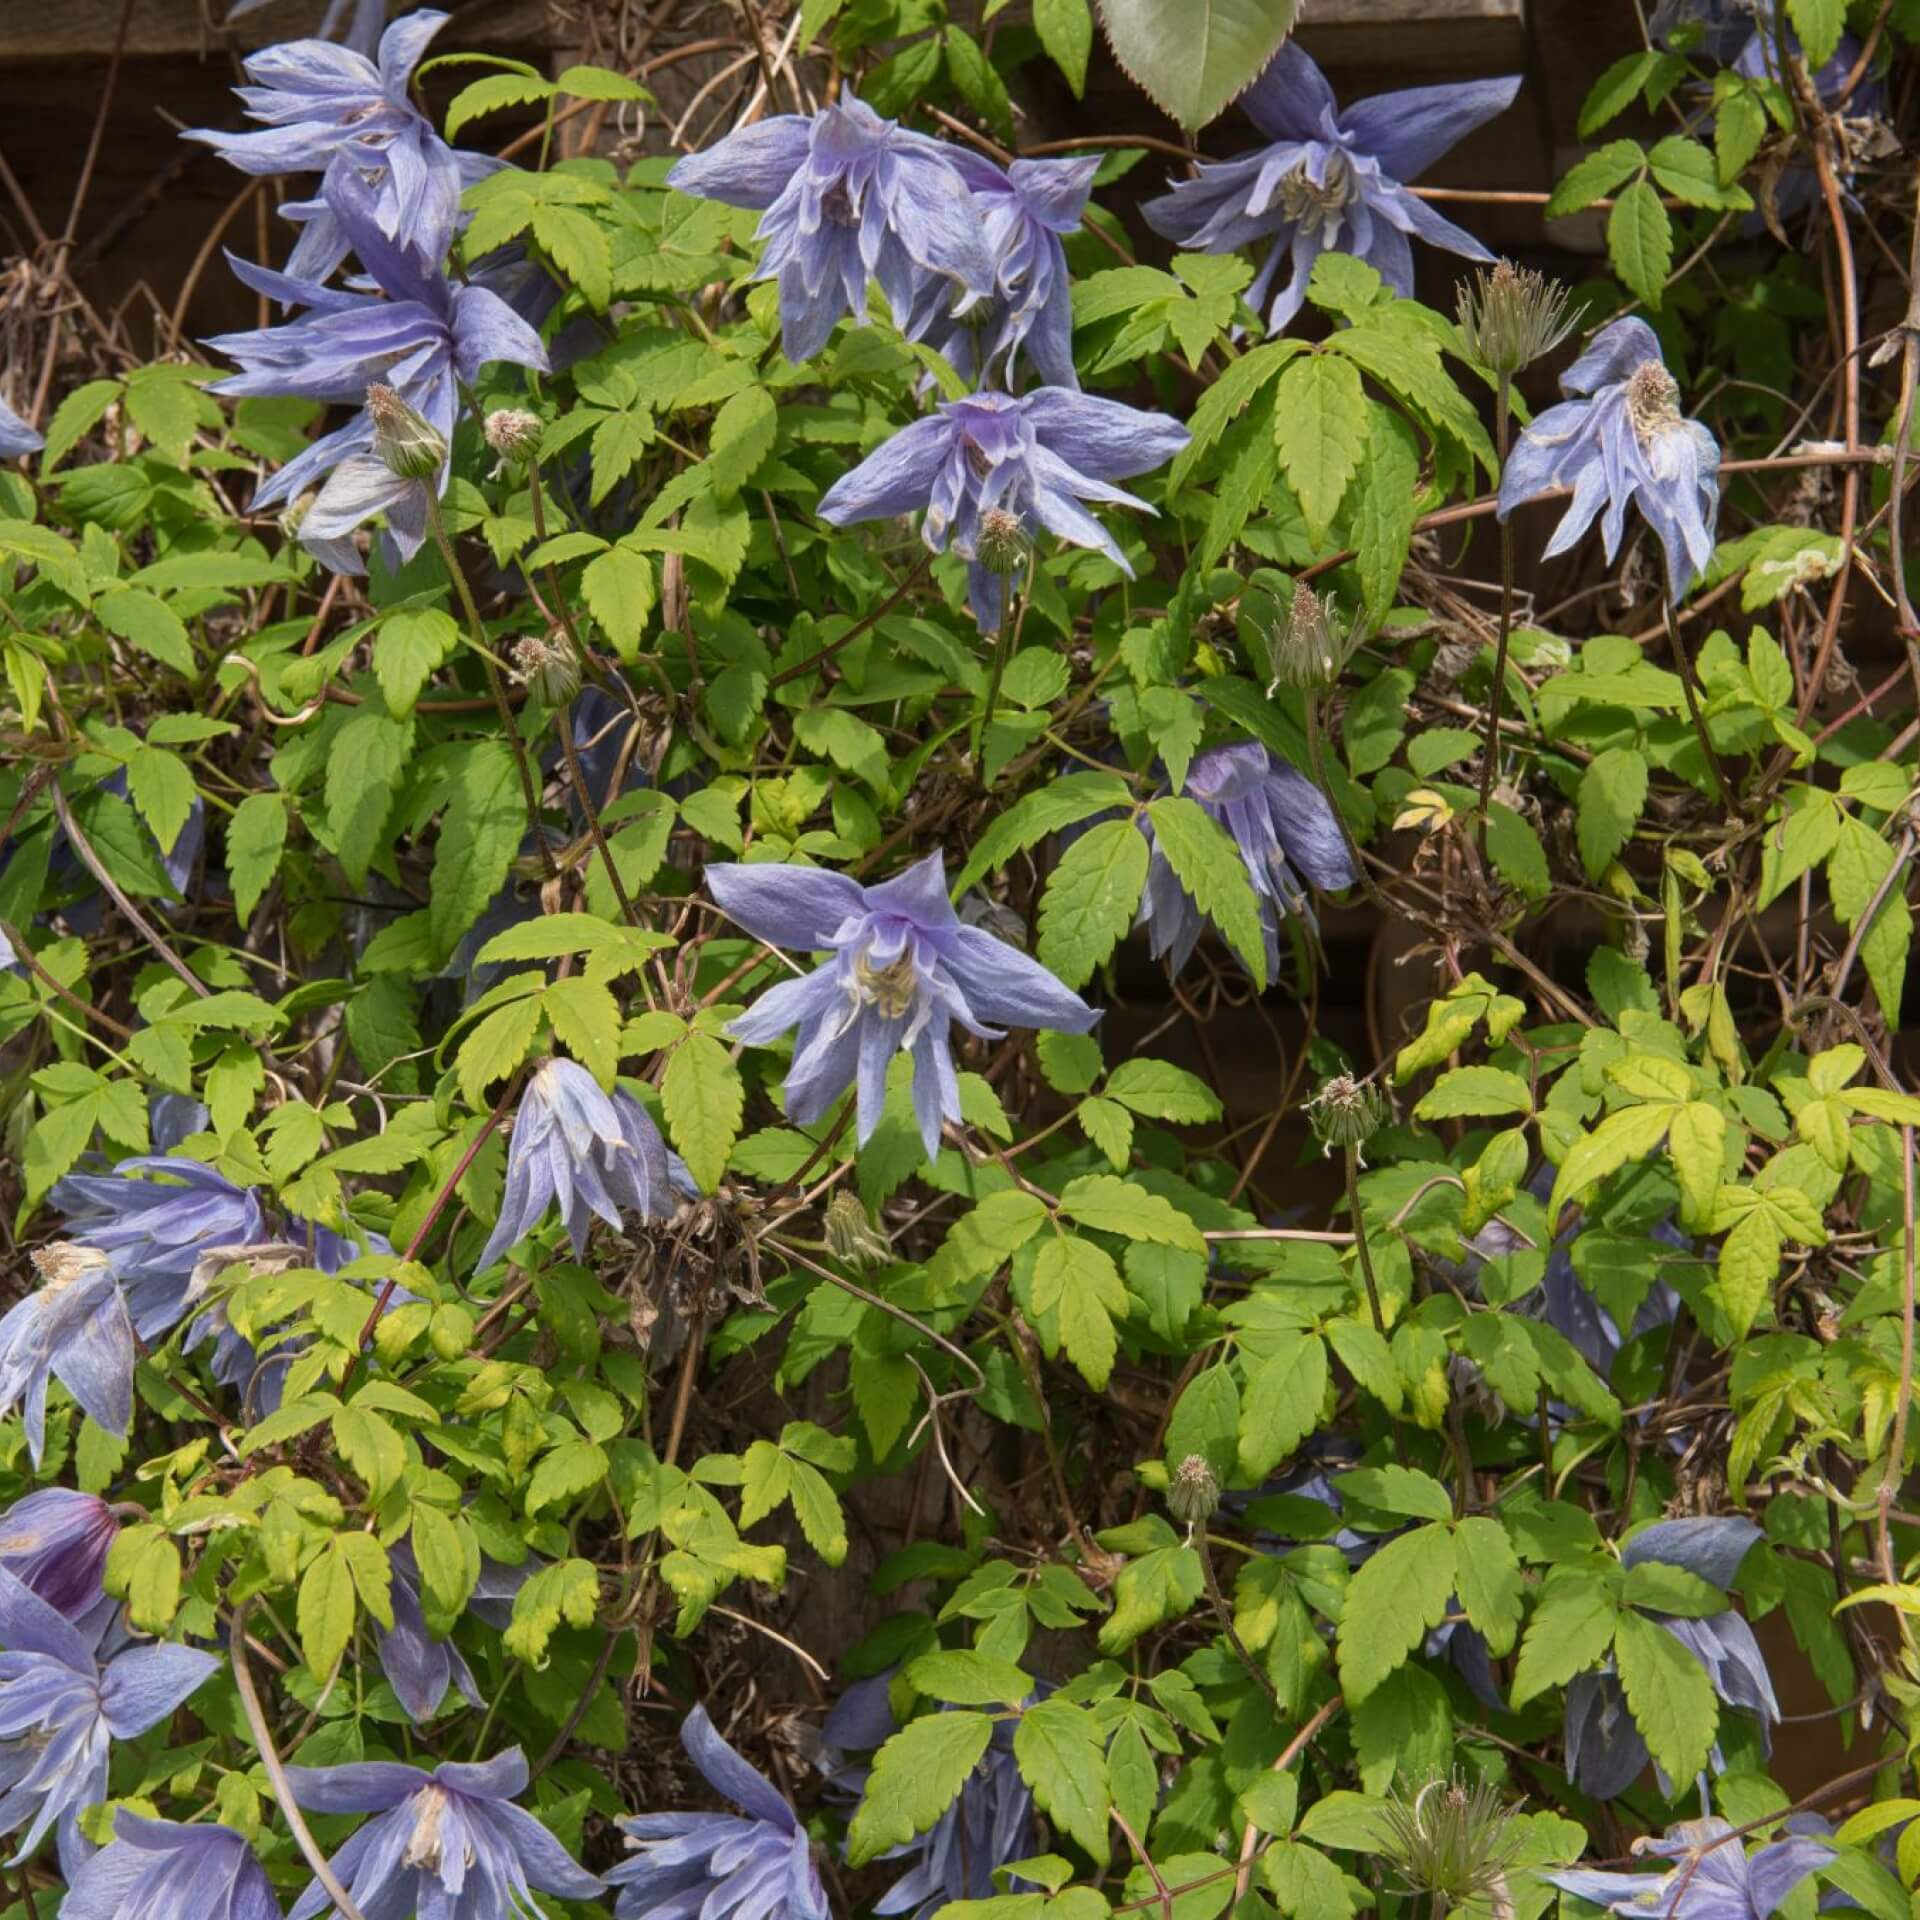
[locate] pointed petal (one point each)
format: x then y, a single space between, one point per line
786 906
749 168
896 478
1408 131
1291 100
143 1685
1003 985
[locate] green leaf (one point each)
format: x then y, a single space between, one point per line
703 1098
1819 23
1595 177
1487 1572
1570 1631
1630 1134
407 649
1078 1281
1615 91
256 837
1669 1694
969 1679
1394 1600
1206 1421
1112 1205
1058 1748
1065 28
1091 899
1474 1091
364 769
573 1467
162 789
1208 865
586 1021
1612 792
143 1568
479 837
1383 506
325 1609
1193 56
497 90
916 1777
569 1590
1320 426
372 1447
743 435
1640 242
620 595
1060 803
1158 1090
1687 171
1404 1727
498 1044
1282 1403
149 624
1696 1144
75 417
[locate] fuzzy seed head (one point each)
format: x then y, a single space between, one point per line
513 433
405 440
1346 1112
1194 1491
1002 541
1513 316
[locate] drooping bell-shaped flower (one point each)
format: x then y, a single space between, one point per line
1331 181
55 1542
1013 466
1621 441
904 971
419 1666
72 1328
163 1870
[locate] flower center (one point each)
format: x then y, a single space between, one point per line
890 988
64 1262
1318 203
425 1843
837 208
1653 400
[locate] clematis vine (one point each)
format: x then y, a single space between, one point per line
1619 440
904 971
847 197
162 1870
1330 181
991 471
446 1845
73 1328
1279 820
1713 1877
753 1865
589 1151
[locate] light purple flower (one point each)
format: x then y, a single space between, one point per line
60 1710
1620 440
904 970
756 1865
419 1667
1712 1878
55 1543
1330 182
360 487
847 197
422 339
1279 820
447 1845
156 1232
16 437
162 1870
589 1151
1023 210
1034 460
73 1328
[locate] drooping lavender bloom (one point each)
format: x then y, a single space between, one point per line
1620 440
360 487
449 1845
327 109
1713 1877
757 1864
1023 210
1014 466
73 1328
16 437
590 1151
1606 1751
60 1710
421 339
55 1543
162 1870
156 1232
1330 181
989 1823
846 197
903 971
1279 820
418 1666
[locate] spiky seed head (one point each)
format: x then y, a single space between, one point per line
1452 1839
1002 541
851 1235
550 666
1346 1112
1305 652
1193 1492
407 442
1513 316
513 433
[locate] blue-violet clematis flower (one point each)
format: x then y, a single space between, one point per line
447 1845
418 1666
422 339
16 437
1023 211
156 1232
73 1328
1713 1877
755 1865
1620 440
989 1823
162 1870
60 1710
1007 468
55 1543
904 970
1330 182
590 1151
1279 820
845 197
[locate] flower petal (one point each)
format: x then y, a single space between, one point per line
786 906
1003 985
729 1775
1409 130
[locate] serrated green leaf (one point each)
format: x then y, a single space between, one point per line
703 1098
1208 866
1393 1601
1640 242
1669 1694
1320 427
1193 56
916 1777
1091 898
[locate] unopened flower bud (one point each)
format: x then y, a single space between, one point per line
851 1236
513 433
1193 1492
1346 1112
550 667
406 441
1304 651
1512 316
1002 541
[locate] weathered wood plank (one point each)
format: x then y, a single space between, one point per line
63 31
